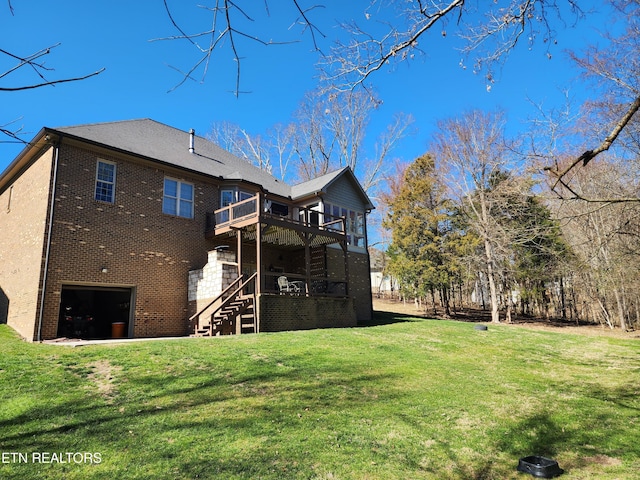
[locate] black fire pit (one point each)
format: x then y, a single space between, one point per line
540 467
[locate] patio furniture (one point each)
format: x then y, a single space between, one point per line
286 286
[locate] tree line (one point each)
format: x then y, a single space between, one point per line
473 223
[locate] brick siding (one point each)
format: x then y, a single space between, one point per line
290 312
139 246
359 279
23 223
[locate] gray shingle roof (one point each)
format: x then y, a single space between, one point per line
157 141
318 184
170 145
321 185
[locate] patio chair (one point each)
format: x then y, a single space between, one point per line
286 286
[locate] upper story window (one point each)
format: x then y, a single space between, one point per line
178 198
233 195
244 195
354 221
230 196
105 181
227 197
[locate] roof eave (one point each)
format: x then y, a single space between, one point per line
25 156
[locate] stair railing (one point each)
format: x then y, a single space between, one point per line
229 299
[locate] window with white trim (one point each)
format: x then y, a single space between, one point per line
245 195
177 198
354 222
105 181
229 196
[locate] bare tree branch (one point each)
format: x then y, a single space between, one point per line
226 15
351 64
589 155
613 70
308 24
491 39
33 63
51 82
13 134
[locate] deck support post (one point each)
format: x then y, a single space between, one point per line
259 269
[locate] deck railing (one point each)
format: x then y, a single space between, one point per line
260 207
311 287
236 211
239 287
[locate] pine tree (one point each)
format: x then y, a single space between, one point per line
420 224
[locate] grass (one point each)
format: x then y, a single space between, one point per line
407 398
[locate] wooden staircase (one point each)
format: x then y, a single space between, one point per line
231 312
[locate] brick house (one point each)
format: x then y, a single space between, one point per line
159 232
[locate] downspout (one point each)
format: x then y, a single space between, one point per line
48 247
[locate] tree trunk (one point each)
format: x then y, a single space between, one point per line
508 314
563 305
621 313
493 291
445 299
481 288
605 314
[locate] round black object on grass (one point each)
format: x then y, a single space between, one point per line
539 467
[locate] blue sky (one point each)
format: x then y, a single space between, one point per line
116 35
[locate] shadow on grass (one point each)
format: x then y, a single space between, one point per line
48 427
537 434
387 318
625 397
264 398
586 432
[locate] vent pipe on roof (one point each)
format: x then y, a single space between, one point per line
192 139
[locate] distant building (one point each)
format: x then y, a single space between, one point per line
382 283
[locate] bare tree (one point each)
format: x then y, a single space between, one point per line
253 149
332 128
605 239
328 132
474 154
270 152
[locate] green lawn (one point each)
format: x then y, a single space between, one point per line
407 399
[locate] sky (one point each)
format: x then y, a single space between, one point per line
139 74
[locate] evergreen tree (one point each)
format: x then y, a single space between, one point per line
420 224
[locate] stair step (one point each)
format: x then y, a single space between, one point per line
239 310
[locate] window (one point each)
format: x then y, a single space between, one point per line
226 198
231 196
354 220
105 181
244 196
178 198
